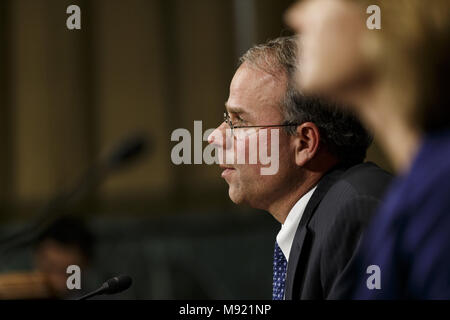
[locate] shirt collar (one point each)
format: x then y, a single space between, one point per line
286 235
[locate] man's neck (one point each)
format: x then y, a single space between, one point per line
280 209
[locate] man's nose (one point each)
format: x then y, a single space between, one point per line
218 136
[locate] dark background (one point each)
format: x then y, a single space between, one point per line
148 66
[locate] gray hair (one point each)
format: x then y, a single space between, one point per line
340 131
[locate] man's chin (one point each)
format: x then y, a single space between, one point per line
235 196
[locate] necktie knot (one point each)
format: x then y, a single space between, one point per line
279 273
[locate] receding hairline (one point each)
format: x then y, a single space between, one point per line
277 57
276 81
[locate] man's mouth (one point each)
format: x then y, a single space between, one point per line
227 170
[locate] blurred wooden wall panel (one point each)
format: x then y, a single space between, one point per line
5 106
206 66
269 19
48 114
130 81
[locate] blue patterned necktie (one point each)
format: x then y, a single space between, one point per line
279 273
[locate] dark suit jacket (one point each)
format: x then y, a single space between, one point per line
330 230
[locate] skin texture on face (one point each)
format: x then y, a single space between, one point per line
254 99
330 48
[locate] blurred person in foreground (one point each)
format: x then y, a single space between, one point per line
67 241
396 79
322 193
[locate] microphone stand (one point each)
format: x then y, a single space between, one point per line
91 294
128 149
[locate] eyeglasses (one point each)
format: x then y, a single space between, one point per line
227 120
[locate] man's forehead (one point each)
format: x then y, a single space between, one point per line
249 76
251 86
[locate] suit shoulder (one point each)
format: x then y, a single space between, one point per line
356 193
365 179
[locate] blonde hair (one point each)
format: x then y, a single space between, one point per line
411 52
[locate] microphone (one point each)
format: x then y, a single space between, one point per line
112 286
127 150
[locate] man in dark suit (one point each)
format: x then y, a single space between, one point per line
314 182
329 233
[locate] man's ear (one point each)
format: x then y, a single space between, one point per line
306 141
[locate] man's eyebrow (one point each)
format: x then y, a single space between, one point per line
234 109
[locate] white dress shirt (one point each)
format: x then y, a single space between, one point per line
286 235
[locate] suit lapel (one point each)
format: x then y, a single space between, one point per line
295 272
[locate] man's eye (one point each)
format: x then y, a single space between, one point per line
239 120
